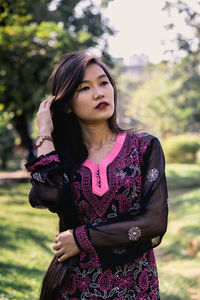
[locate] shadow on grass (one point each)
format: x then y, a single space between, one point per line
10 268
174 182
15 202
170 297
193 229
19 189
7 271
174 251
187 202
9 236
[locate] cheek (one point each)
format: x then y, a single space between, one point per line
111 93
80 106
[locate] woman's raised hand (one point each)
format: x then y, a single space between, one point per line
44 117
65 245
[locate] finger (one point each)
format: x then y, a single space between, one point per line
56 240
42 105
44 102
58 253
49 101
63 257
56 247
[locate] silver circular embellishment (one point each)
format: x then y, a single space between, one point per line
153 174
37 176
66 177
168 202
134 233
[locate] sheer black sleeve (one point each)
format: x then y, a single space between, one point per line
47 179
145 231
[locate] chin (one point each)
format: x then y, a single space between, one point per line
99 120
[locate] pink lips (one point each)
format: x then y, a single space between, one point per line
102 105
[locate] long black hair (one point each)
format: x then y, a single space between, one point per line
69 144
63 84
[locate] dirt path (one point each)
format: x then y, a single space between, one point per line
14 176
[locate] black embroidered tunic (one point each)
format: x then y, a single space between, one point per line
122 206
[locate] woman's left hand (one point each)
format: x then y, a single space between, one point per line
65 245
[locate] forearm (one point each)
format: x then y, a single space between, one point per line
45 126
46 147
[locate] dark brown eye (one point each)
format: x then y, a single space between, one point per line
104 82
85 88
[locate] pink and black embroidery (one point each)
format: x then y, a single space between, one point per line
46 160
123 172
133 280
136 280
85 245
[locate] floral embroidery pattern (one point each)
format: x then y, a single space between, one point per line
119 250
83 283
46 160
144 280
71 283
124 171
105 281
38 177
152 174
134 233
86 245
124 203
132 281
126 281
136 280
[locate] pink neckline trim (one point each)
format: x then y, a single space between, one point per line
102 167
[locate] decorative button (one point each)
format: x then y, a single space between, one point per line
98 179
134 233
38 177
153 174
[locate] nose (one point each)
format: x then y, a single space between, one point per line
98 93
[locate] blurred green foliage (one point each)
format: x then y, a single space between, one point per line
168 99
190 12
7 138
33 36
181 149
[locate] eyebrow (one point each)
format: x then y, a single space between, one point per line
99 77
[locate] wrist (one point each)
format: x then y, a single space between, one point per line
44 132
41 138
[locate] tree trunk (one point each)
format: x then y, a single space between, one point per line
4 161
22 127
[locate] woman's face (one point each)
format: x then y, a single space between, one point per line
94 98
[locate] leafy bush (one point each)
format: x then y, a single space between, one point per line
181 149
7 138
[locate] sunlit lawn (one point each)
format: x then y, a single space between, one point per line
179 254
27 234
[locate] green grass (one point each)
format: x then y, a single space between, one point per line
178 257
26 238
27 234
13 164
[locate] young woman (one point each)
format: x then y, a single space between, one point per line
107 186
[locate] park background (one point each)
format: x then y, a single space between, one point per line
157 91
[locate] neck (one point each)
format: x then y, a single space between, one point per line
96 135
